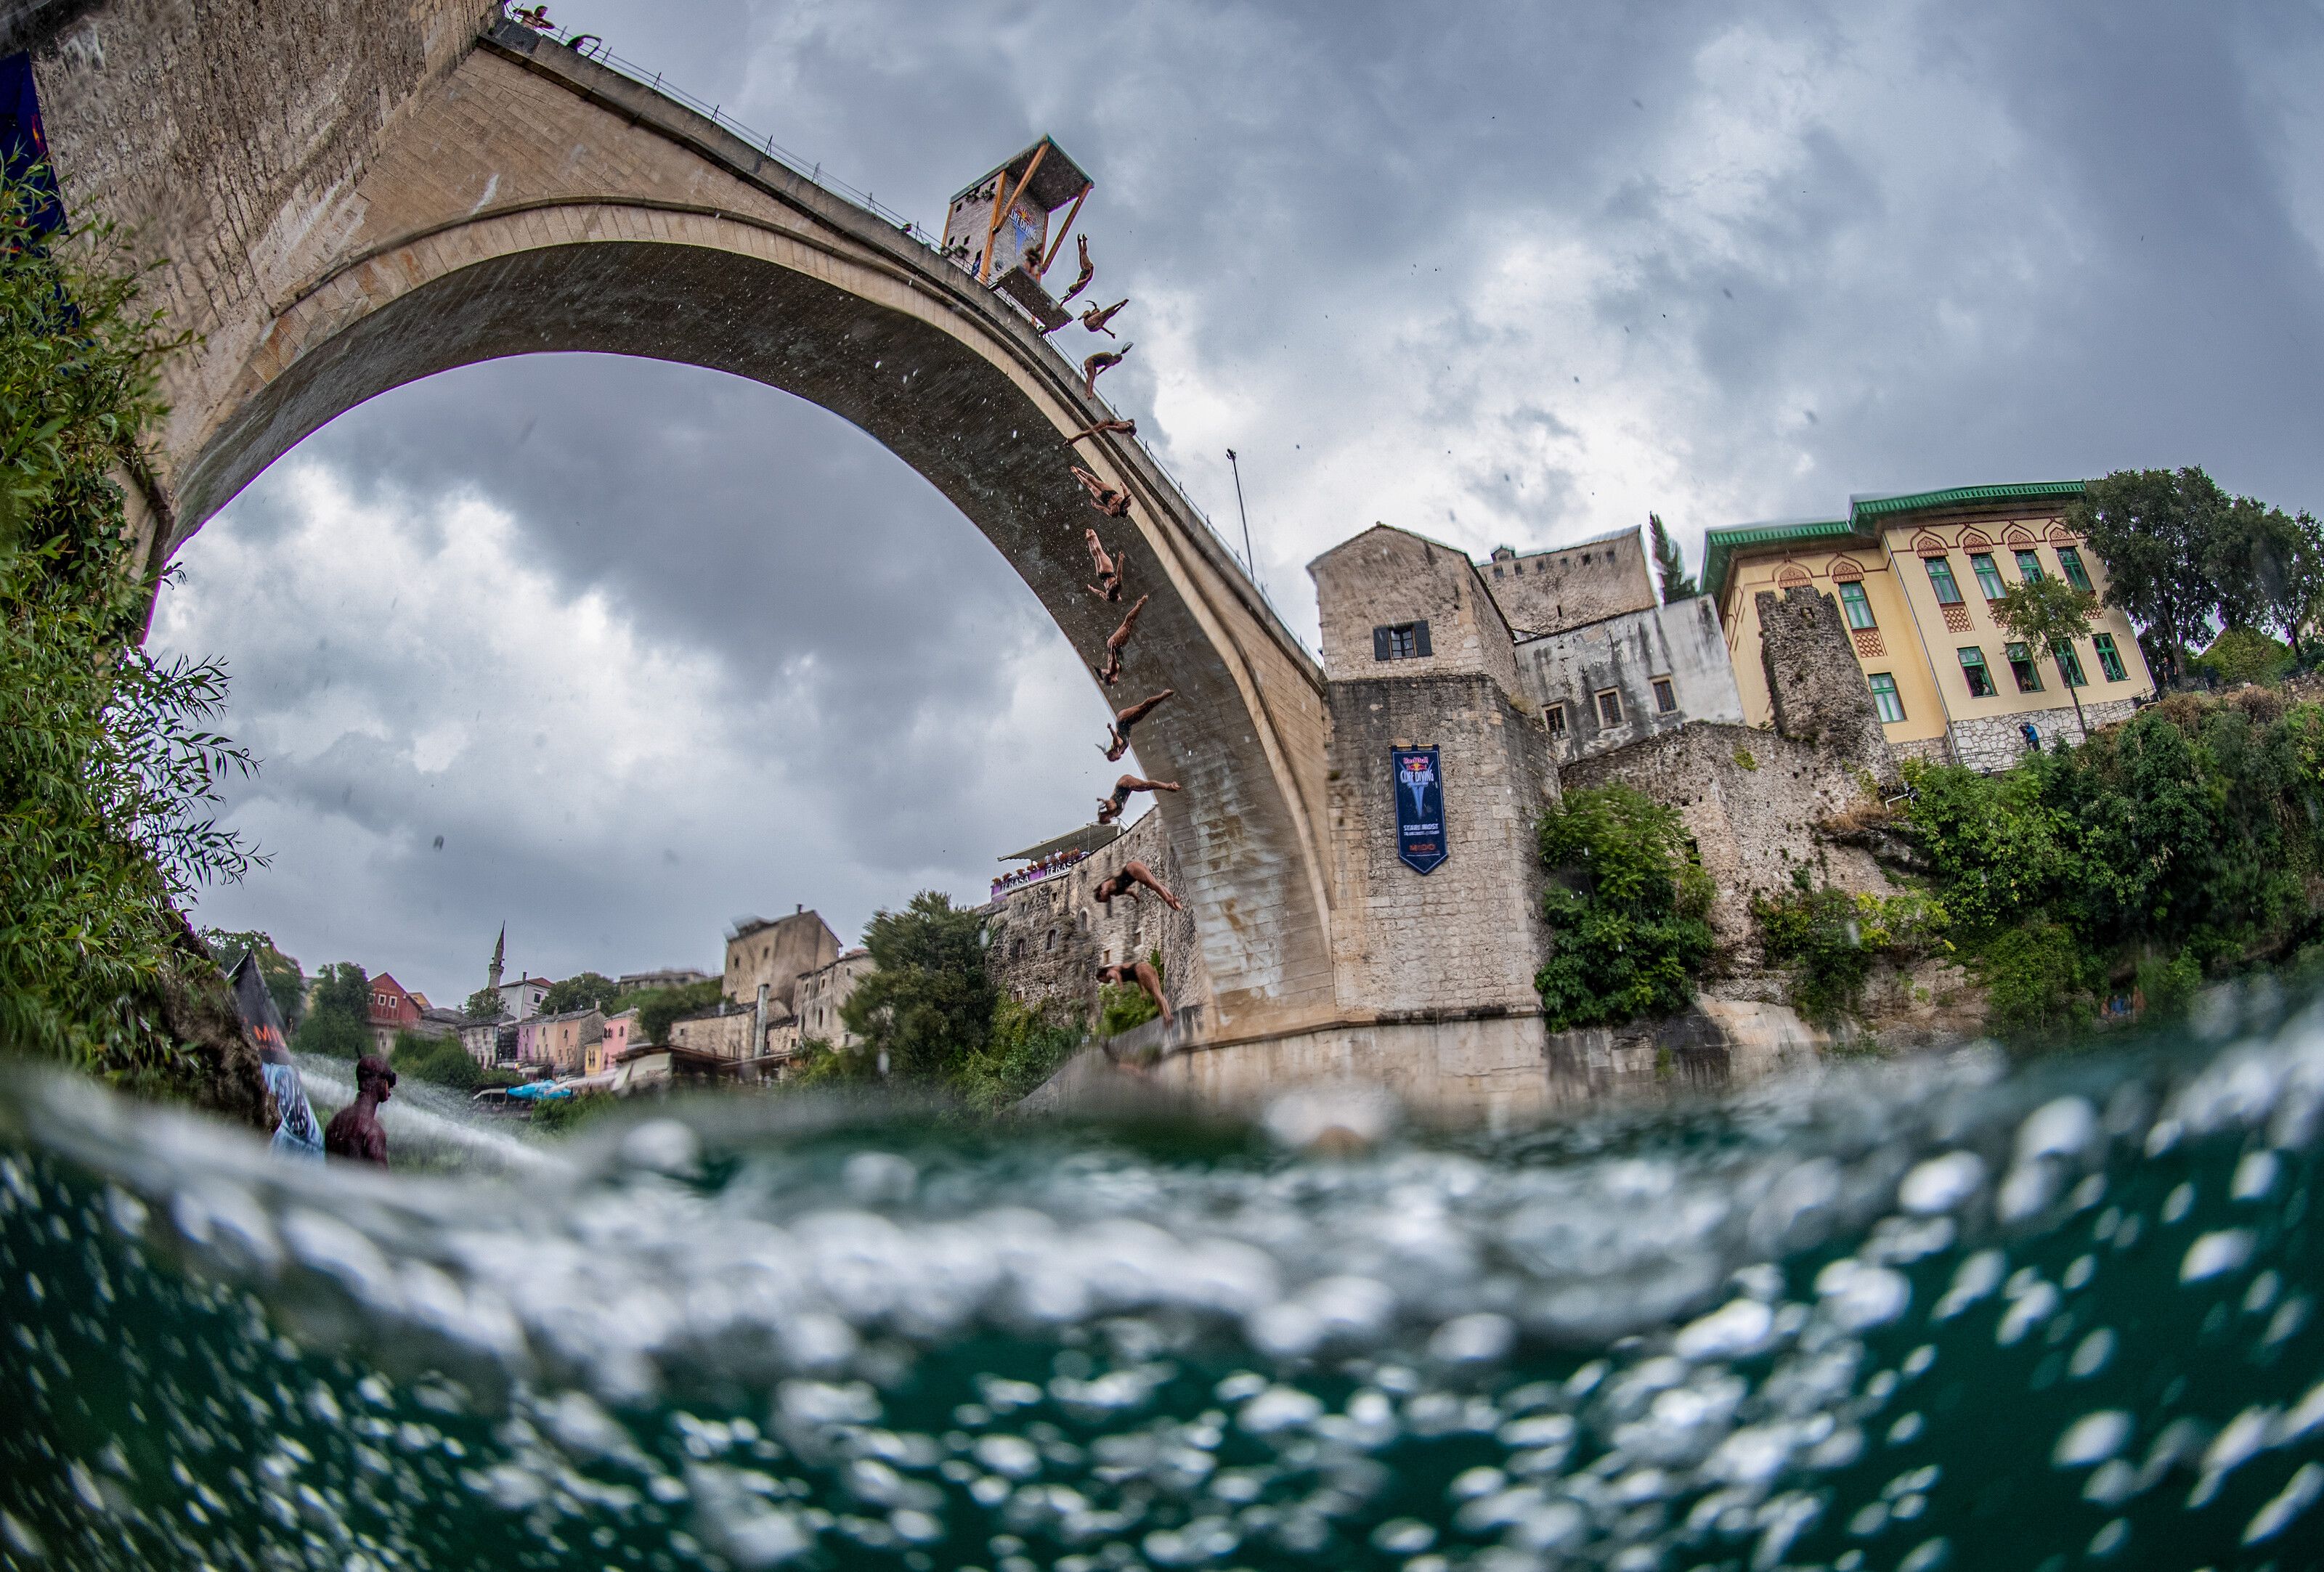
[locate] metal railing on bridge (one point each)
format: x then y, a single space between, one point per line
593 49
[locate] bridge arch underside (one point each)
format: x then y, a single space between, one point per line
974 428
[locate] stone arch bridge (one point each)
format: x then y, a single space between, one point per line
353 196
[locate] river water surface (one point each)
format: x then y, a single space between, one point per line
1951 1312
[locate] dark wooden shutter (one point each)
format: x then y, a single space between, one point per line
1420 637
1379 644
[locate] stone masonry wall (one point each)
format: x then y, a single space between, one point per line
1549 591
1752 801
1817 689
1386 577
1467 938
1994 742
1049 938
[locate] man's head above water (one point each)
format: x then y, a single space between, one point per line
374 1075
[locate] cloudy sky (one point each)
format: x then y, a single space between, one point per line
649 648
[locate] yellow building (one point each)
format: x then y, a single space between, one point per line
1914 577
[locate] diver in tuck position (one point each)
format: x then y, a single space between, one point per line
1118 734
1110 808
1126 883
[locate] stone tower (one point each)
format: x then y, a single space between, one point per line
499 954
1815 684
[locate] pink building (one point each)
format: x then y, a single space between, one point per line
622 1032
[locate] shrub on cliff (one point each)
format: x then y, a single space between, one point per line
1629 910
1025 1049
108 767
2189 829
1831 937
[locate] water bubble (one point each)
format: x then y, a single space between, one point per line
1403 1536
661 1147
1736 1329
2298 1494
2255 1176
2092 1438
880 1178
1858 1297
1942 1183
2063 1127
2214 1254
1473 1339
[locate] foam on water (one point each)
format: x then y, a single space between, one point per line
1937 1313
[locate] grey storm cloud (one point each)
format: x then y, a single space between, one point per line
648 645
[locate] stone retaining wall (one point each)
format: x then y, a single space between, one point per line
1994 742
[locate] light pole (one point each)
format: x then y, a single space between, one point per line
1249 565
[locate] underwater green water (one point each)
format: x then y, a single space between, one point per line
1950 1313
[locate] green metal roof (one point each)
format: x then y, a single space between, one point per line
1914 501
1719 546
1864 516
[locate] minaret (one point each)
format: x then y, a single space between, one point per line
500 952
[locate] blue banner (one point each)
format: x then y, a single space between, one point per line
25 146
1419 807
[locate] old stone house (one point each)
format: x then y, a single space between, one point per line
776 952
823 992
